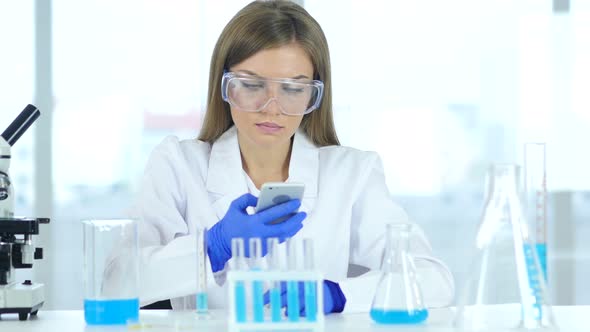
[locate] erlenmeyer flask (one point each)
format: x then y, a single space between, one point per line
398 299
506 269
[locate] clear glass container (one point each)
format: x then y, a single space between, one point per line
274 259
310 287
238 264
505 270
398 298
202 300
535 196
111 271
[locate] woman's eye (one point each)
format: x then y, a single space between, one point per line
253 85
292 89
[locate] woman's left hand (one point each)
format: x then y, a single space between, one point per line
334 299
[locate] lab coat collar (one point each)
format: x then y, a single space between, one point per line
305 163
225 174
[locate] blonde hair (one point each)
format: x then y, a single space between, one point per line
264 25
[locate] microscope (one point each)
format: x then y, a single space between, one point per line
16 247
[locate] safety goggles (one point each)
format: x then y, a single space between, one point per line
253 93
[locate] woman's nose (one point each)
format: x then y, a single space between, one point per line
272 107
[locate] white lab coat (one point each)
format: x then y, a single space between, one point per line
190 184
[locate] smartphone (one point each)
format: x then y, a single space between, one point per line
274 193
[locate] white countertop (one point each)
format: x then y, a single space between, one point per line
568 318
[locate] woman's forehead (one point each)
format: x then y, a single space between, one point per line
288 61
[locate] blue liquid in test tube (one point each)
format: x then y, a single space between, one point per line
238 263
258 300
275 304
201 297
293 301
240 296
202 305
311 301
292 285
535 188
310 288
542 253
274 264
535 277
257 285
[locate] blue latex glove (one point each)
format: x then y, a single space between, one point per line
238 223
334 299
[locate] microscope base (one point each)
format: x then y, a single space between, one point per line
23 313
21 298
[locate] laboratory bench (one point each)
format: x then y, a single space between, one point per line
568 318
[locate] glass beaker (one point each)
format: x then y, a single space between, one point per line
506 270
398 298
111 271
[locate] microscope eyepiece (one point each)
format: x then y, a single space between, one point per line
22 122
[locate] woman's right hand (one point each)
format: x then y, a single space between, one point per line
238 223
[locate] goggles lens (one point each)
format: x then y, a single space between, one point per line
253 94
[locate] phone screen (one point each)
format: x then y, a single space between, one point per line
275 193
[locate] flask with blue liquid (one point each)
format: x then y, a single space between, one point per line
398 298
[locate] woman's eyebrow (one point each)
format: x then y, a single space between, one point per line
248 72
254 74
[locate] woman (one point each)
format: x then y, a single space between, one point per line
269 119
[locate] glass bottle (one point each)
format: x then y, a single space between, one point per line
506 287
398 298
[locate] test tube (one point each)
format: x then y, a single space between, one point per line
292 286
274 264
238 255
535 189
201 298
310 291
257 285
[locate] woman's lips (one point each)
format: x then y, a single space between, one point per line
268 127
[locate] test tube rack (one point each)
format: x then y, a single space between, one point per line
268 277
